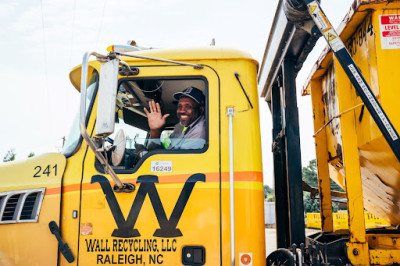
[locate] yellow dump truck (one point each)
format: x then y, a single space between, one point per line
109 199
163 163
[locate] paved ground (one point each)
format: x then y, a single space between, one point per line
270 238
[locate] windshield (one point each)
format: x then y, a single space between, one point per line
74 136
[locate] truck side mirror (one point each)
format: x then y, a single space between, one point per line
107 98
107 95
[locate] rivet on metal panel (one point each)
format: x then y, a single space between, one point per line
230 111
356 252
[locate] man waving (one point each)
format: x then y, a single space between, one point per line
190 132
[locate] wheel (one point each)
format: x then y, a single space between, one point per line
280 257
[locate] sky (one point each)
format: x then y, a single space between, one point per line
43 40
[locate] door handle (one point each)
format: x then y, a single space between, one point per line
63 247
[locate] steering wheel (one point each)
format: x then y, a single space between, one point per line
118 148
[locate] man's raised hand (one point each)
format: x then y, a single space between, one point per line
155 118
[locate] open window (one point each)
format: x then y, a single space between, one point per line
129 145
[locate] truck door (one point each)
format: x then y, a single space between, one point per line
173 216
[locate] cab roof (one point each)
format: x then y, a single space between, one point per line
176 54
199 53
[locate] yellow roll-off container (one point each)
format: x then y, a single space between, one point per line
349 146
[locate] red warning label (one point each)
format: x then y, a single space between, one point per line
390 19
390 31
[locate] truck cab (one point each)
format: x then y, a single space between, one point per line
115 200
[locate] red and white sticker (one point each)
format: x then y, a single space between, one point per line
390 31
245 259
86 229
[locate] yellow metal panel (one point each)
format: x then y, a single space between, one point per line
352 171
380 170
384 241
389 78
193 54
40 171
351 160
384 256
378 5
335 174
360 159
358 253
333 126
322 158
71 202
361 46
313 220
200 220
341 221
247 145
24 243
75 74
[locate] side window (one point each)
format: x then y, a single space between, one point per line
142 127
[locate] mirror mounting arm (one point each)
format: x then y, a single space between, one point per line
195 66
82 120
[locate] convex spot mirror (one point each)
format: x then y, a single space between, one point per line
108 84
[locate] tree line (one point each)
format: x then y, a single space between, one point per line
310 176
11 155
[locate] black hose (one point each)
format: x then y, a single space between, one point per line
296 10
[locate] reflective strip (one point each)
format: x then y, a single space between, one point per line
166 142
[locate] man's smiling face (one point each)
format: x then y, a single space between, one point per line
188 110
